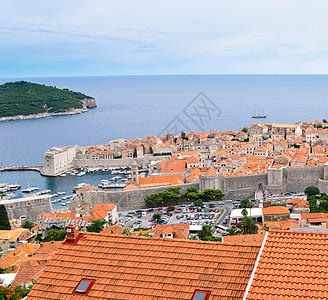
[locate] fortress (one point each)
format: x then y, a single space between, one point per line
275 181
27 208
62 159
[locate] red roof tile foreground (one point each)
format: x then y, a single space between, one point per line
245 239
126 267
293 265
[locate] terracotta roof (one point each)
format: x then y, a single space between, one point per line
210 172
28 270
126 267
24 250
160 180
292 265
112 230
173 166
96 215
103 207
284 225
298 202
129 187
275 210
11 235
10 261
48 248
179 231
245 239
314 215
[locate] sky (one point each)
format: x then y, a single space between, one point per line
129 37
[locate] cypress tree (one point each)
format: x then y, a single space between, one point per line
4 220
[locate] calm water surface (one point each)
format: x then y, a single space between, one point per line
137 106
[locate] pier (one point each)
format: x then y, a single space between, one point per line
22 168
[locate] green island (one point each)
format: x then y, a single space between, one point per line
28 100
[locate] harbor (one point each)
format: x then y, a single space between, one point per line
19 184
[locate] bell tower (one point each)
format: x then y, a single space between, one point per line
135 175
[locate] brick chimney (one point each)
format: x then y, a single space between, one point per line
73 235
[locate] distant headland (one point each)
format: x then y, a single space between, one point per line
22 100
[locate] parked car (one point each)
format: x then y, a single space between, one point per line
159 208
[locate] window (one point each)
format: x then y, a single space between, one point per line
201 295
84 286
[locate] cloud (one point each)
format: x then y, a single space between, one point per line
160 37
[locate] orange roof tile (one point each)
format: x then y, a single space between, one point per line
179 231
112 230
126 267
245 239
48 248
160 180
173 166
103 207
28 270
292 265
130 186
275 210
210 172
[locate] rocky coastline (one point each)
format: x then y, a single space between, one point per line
87 103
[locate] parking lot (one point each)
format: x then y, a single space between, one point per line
210 214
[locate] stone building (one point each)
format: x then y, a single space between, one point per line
59 160
275 213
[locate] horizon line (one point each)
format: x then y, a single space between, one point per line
160 75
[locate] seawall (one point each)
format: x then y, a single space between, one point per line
275 181
125 200
27 208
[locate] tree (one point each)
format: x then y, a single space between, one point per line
324 196
213 238
244 212
126 231
55 235
324 121
244 130
198 203
175 190
28 225
96 225
183 136
248 226
157 217
232 231
211 195
311 191
23 291
4 220
192 190
313 204
205 232
323 206
244 203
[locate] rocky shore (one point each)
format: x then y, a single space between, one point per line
87 103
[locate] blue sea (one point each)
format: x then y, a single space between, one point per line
137 106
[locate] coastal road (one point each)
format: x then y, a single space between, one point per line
227 208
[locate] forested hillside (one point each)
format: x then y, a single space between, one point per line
25 98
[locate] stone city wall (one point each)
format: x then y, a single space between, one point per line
275 181
125 200
28 207
120 162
